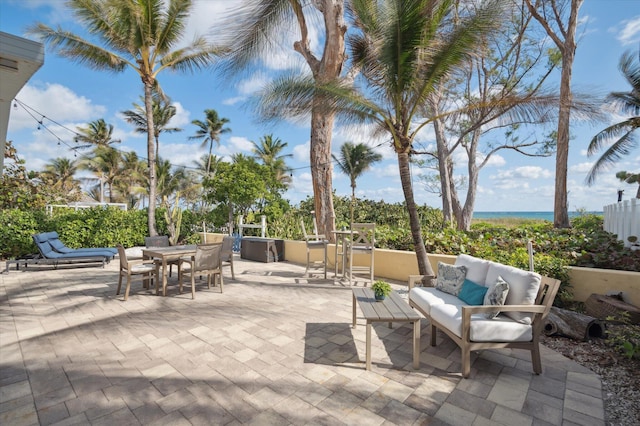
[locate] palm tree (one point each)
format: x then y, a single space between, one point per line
210 130
163 112
255 27
405 49
140 34
60 174
630 178
355 160
627 103
96 133
104 162
131 181
268 151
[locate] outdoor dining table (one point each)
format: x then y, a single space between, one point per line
163 255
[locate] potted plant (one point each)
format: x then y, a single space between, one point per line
381 289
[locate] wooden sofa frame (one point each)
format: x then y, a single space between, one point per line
544 300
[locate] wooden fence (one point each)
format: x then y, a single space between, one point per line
623 219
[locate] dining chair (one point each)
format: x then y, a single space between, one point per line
362 242
206 261
227 253
134 268
160 241
315 242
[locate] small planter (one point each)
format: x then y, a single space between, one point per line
381 289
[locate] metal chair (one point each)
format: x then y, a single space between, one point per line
136 267
363 237
315 242
207 261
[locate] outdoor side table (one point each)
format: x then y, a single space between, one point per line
392 309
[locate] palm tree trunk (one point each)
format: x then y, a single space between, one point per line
151 162
560 209
424 266
321 170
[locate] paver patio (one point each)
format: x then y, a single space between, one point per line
274 348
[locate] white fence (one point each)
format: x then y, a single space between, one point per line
623 219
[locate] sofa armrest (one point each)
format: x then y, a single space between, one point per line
413 279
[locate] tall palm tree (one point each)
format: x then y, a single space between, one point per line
405 48
268 151
141 35
354 160
163 112
256 25
627 103
96 133
210 130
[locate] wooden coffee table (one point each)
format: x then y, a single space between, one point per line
392 309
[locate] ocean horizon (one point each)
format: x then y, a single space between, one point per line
525 215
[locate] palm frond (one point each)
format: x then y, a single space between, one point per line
262 19
613 154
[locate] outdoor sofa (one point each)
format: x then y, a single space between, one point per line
482 304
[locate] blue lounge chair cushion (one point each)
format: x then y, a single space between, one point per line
51 247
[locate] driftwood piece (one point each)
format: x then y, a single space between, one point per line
611 307
572 324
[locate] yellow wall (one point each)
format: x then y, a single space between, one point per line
398 265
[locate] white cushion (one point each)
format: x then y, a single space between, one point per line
476 268
499 329
426 297
523 287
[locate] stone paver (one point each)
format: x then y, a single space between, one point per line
274 348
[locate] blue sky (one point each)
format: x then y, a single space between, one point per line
72 95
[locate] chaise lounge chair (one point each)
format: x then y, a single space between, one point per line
53 251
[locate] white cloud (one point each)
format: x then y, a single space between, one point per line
630 33
301 152
581 167
524 172
234 100
181 118
253 84
54 102
238 143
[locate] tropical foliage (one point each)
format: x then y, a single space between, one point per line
141 35
624 131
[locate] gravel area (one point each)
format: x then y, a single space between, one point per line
620 375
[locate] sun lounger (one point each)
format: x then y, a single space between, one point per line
52 251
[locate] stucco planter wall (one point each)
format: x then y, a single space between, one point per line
398 265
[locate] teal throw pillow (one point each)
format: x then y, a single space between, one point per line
472 293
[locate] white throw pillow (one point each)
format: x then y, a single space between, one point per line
496 296
450 278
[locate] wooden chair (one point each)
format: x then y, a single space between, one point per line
207 261
134 268
315 242
227 253
363 238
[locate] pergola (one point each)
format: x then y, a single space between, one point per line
19 60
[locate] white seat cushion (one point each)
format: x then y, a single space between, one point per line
476 268
499 329
523 287
426 297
